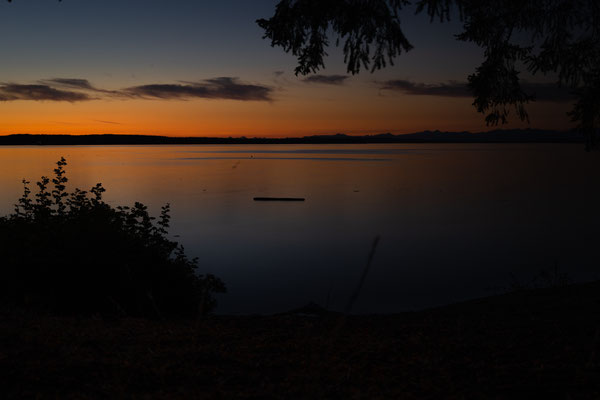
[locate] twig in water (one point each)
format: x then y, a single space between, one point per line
328 297
363 276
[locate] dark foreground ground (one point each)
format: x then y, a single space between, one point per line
535 344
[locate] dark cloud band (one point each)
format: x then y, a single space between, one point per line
450 89
74 89
71 83
327 79
13 91
541 91
218 88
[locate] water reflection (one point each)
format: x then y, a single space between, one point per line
454 220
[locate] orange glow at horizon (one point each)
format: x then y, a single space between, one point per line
341 110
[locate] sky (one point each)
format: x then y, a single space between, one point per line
200 68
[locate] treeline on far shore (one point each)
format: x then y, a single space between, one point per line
495 136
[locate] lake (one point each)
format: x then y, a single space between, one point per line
455 221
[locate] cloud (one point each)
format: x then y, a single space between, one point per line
225 88
450 89
541 91
107 122
75 89
71 83
77 83
13 91
327 79
278 73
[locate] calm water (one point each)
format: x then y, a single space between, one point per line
456 220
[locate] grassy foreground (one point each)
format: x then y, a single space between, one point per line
542 343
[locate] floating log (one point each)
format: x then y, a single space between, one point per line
279 199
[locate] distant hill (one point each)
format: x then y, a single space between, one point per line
495 136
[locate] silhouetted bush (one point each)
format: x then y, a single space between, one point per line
73 253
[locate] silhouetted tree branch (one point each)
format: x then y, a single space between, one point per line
546 36
370 29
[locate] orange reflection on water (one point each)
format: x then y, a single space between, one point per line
454 219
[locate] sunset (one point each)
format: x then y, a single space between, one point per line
299 199
200 69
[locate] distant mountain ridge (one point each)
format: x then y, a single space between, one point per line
495 136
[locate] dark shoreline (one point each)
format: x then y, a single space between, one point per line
495 136
542 343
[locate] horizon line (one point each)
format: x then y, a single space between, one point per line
350 135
